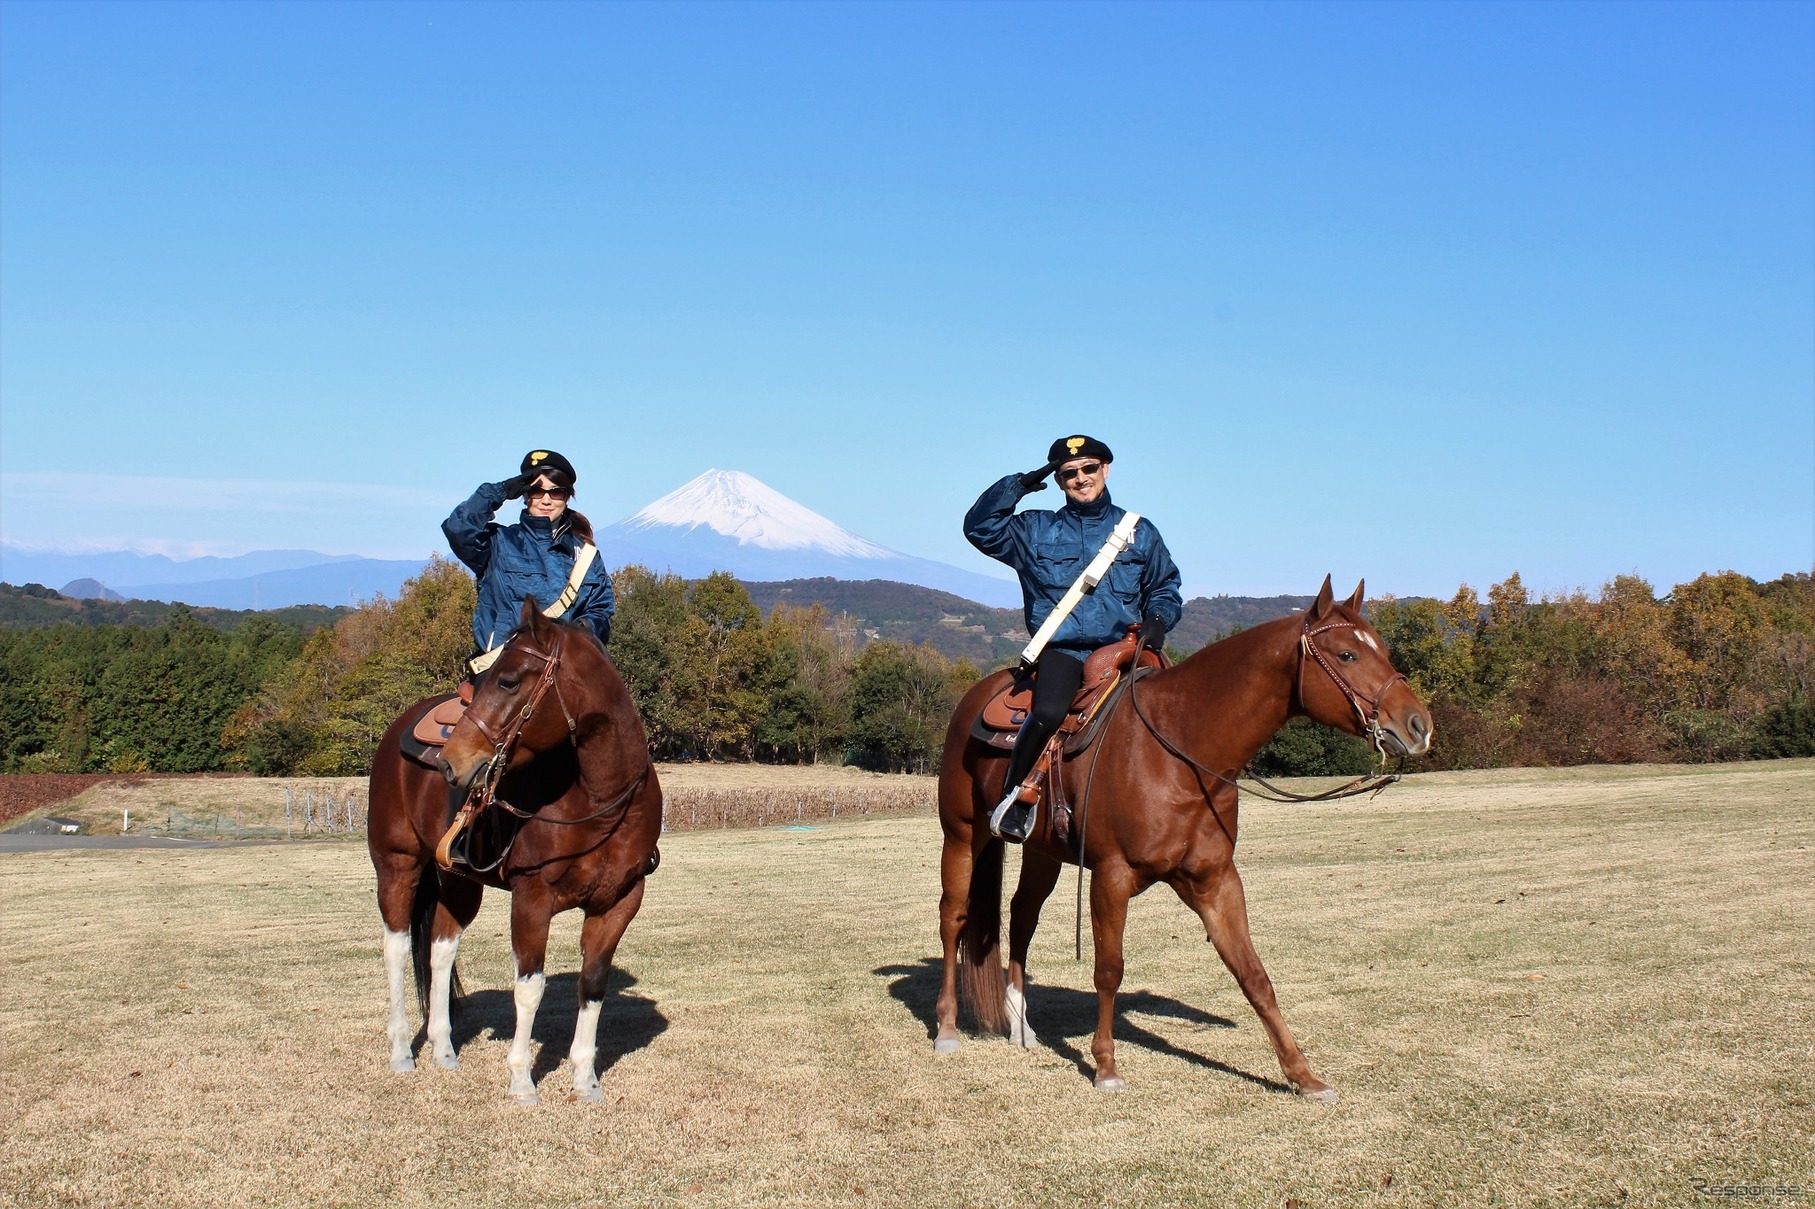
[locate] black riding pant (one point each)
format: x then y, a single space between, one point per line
1056 679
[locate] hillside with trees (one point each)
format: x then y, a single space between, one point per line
34 606
1718 669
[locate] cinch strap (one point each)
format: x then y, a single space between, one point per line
581 564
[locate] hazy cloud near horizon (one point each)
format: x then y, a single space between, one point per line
160 514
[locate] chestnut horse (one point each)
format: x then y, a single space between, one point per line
552 731
1157 803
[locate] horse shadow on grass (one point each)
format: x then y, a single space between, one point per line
1057 1013
627 1023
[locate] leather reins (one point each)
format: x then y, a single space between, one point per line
1369 716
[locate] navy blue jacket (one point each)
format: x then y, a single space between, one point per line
1049 550
533 557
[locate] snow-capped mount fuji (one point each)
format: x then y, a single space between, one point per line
727 520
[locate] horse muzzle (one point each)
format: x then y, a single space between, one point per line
1408 735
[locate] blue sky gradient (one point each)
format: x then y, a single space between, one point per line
1429 293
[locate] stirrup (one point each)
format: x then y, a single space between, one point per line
1013 819
448 851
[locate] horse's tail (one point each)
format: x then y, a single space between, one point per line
981 980
422 923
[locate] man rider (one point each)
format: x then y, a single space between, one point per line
1048 551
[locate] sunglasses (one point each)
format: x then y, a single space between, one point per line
559 493
1087 470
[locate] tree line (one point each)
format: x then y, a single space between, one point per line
1718 669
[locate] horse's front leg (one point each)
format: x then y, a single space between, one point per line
1039 874
458 904
1217 898
599 937
530 910
1110 889
397 880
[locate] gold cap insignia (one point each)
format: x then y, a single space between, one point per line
1074 444
537 456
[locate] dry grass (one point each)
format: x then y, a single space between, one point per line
698 796
1531 988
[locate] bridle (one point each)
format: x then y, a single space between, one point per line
1368 714
504 742
1369 717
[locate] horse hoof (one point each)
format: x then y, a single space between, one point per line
402 1066
1112 1083
528 1099
1323 1095
447 1061
946 1045
592 1095
1028 1039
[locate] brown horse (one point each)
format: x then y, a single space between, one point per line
1159 805
552 729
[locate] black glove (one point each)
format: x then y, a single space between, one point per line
1035 480
1153 634
515 487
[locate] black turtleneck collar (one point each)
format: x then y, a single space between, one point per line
1093 509
541 526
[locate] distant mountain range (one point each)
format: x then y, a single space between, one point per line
872 609
722 520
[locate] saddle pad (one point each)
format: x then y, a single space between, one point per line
435 726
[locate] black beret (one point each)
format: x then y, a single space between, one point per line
1066 448
546 461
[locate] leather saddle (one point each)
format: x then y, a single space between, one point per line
1104 669
434 725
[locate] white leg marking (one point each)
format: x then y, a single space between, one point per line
585 1051
1019 1033
441 983
397 974
528 994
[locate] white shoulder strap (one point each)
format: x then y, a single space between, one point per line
571 592
1086 583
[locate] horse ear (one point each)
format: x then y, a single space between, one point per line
531 611
1353 603
1324 597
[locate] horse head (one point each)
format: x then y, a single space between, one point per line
519 710
1346 679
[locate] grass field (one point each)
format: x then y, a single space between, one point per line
699 795
1589 987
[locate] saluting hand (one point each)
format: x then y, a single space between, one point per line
1035 480
514 487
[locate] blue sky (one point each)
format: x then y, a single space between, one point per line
1424 292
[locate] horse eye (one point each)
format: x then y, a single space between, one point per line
1346 656
509 684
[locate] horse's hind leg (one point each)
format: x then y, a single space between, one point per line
599 937
1039 874
1110 889
1219 902
529 915
955 879
458 905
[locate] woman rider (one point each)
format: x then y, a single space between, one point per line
1049 550
536 557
